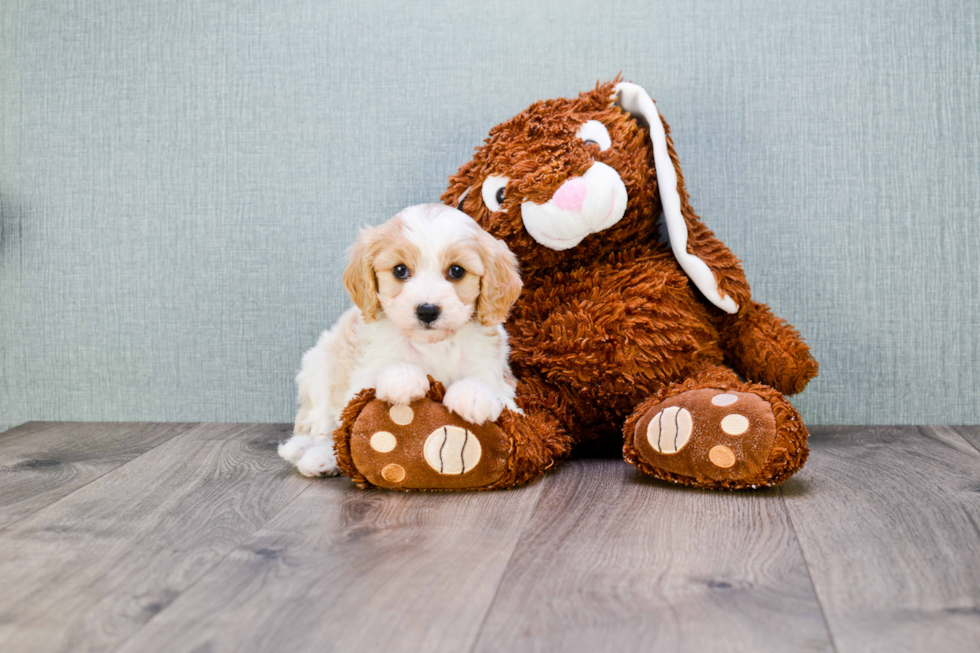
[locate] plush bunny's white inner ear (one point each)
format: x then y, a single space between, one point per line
462 197
635 100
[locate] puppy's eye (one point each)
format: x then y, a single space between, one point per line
456 272
594 131
493 192
400 271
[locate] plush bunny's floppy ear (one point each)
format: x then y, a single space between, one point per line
637 102
459 202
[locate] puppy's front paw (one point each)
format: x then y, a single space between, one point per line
401 384
318 460
473 400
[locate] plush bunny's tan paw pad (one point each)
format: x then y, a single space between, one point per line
422 446
708 434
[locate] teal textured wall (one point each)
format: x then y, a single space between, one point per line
179 180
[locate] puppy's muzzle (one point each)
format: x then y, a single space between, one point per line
427 313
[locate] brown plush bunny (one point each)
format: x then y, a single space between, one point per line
616 332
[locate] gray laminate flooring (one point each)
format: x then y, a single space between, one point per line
197 537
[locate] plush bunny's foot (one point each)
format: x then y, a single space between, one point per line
718 438
422 446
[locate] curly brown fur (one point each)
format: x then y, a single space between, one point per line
767 349
610 334
614 322
341 437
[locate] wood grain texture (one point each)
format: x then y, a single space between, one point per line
200 538
41 462
889 522
85 572
611 560
343 569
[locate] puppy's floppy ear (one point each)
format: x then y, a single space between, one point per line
359 279
705 259
501 283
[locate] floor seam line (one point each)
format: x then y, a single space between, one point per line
809 574
510 558
952 429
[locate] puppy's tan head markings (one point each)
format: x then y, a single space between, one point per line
430 270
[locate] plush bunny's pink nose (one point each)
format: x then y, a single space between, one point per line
571 195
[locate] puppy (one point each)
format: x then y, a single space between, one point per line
431 290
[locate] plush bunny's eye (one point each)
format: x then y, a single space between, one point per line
493 192
594 131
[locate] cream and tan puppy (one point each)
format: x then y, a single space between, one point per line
432 290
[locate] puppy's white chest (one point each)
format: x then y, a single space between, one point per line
446 364
445 361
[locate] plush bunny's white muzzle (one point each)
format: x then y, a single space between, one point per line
581 206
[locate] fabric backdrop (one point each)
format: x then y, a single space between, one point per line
179 180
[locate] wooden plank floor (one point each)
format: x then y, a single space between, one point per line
182 537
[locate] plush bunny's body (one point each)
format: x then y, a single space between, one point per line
620 334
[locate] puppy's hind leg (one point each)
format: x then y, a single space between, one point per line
321 382
319 460
293 449
312 455
313 383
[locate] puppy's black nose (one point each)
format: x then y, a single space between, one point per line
428 313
